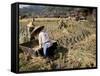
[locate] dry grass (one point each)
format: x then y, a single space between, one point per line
69 54
83 54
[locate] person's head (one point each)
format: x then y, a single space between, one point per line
30 24
37 30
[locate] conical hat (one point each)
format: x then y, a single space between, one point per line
36 29
30 24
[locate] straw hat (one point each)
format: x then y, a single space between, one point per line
37 30
30 24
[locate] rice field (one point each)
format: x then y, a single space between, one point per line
76 44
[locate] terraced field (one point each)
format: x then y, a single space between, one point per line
76 45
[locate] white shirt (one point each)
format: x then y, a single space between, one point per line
44 38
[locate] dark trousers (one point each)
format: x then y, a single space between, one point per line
50 51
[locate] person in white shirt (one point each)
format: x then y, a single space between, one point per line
44 41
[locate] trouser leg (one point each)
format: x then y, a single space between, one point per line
45 46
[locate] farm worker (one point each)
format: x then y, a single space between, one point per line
30 27
44 41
